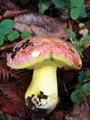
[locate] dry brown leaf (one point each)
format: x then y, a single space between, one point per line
13 85
8 5
11 102
37 24
87 53
87 3
12 13
81 111
10 75
56 115
12 97
87 24
6 46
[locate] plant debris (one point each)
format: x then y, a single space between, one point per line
81 111
12 13
37 24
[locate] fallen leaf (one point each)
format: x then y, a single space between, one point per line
11 103
87 3
87 52
37 24
12 13
13 85
81 111
8 5
56 115
87 24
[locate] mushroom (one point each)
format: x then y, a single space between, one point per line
43 54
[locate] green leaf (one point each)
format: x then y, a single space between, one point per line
74 13
88 73
43 5
6 26
76 3
75 43
70 33
78 86
86 87
82 76
81 49
83 13
77 47
1 40
60 3
77 96
13 35
25 35
84 39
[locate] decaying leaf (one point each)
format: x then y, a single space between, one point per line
6 46
86 56
5 116
12 13
81 111
56 115
11 75
37 24
11 102
13 84
8 5
87 3
87 24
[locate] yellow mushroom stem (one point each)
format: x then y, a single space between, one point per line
43 89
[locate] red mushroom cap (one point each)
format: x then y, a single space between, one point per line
43 50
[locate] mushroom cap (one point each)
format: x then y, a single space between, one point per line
43 50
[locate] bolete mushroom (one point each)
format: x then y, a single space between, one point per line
43 54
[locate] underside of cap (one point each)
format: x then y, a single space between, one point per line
55 60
